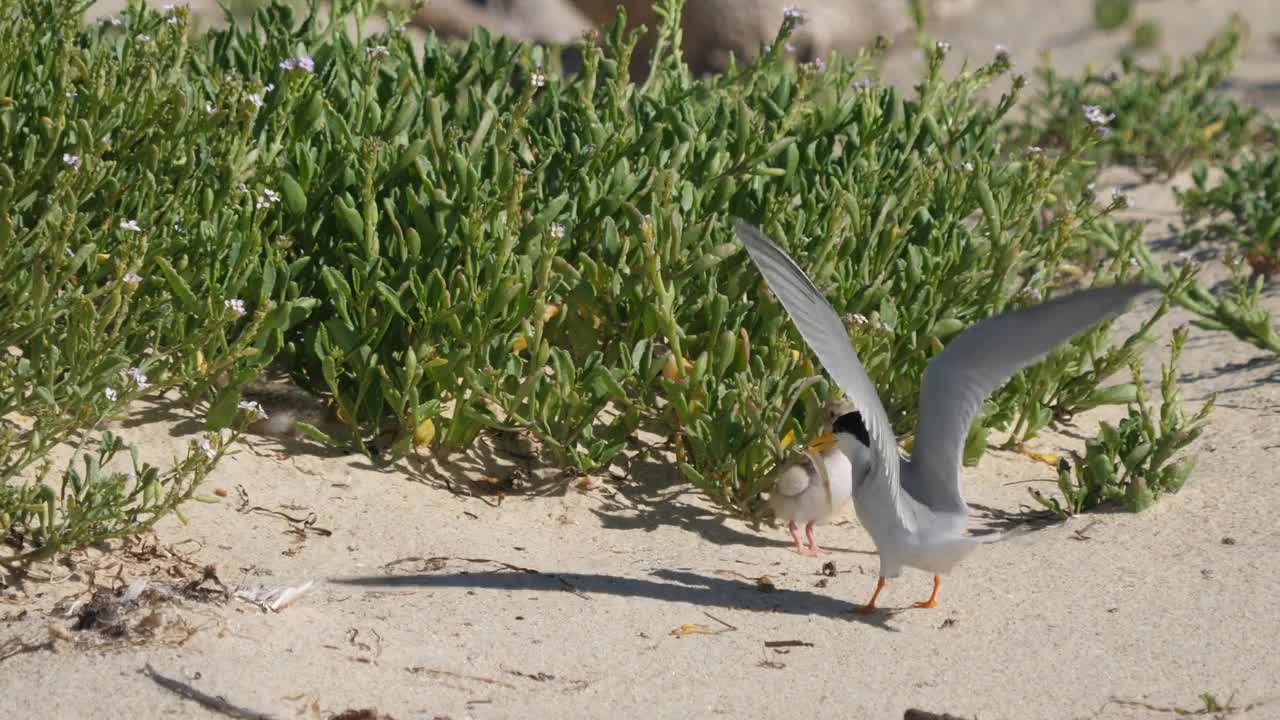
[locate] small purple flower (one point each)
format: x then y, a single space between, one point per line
537 79
376 52
858 319
861 84
303 62
794 12
1119 198
138 377
132 278
256 99
819 64
557 231
967 165
253 407
790 47
142 37
1094 114
111 394
207 449
266 199
71 161
131 226
235 305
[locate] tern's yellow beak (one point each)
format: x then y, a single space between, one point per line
823 442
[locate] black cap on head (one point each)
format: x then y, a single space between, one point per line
852 423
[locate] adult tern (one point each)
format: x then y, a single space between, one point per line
913 508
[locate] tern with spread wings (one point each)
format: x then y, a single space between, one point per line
913 509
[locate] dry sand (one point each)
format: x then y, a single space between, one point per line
562 602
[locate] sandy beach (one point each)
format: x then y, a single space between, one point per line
627 595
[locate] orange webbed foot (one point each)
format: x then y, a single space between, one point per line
870 607
932 602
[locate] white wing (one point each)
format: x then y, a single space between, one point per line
791 480
827 337
978 361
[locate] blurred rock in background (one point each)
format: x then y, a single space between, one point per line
540 21
714 29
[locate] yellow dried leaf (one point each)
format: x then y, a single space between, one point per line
1071 269
692 629
520 343
201 364
787 439
1048 458
1213 128
669 370
424 434
550 311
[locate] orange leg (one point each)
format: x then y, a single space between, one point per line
870 607
933 596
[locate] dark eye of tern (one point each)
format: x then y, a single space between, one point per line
853 424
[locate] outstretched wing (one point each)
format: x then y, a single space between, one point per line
826 335
978 361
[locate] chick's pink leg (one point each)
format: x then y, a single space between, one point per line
791 527
813 544
799 548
